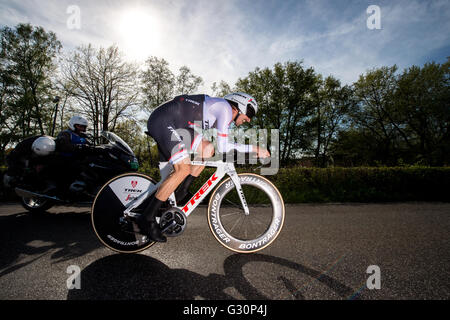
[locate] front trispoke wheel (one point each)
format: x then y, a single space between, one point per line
238 231
244 227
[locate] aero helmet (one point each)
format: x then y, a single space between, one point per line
244 102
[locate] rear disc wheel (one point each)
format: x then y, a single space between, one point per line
107 213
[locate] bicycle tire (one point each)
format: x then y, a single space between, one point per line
265 239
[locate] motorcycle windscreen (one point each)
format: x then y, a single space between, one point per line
117 141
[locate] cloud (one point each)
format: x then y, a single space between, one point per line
345 47
224 40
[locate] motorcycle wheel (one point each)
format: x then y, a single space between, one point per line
36 205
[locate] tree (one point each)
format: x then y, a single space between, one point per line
332 103
130 131
220 90
422 104
404 118
104 86
157 82
8 117
66 106
354 147
375 110
187 82
284 96
28 56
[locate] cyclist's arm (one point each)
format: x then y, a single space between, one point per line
224 115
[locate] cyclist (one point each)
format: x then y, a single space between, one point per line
186 112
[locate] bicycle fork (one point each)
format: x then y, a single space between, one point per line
237 184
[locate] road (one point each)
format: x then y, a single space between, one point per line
323 252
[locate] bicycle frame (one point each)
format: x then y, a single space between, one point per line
223 168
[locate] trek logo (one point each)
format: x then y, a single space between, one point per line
134 183
192 101
240 95
132 190
200 193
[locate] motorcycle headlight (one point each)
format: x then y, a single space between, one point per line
134 164
130 161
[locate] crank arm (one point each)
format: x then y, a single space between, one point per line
172 224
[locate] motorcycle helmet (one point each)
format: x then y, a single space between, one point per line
43 146
77 120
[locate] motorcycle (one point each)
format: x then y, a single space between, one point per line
38 192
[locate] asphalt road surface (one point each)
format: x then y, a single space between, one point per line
323 252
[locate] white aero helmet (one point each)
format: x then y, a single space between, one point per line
77 120
245 102
43 146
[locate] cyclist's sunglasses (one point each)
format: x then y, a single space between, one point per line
250 111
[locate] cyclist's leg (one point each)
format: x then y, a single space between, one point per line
173 145
181 170
204 149
182 167
161 126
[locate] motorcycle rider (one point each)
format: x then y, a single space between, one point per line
73 145
73 141
186 112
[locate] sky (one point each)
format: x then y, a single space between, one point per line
227 39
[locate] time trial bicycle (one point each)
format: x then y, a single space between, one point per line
245 211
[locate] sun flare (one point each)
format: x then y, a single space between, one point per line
139 31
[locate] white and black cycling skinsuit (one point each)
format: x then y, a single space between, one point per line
186 112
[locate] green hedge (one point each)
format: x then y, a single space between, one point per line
371 184
363 184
